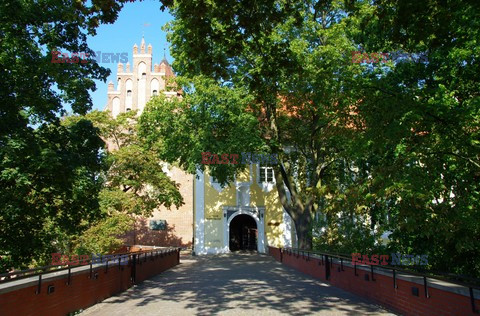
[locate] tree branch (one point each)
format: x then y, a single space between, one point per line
476 164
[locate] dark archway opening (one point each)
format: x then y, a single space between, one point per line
243 233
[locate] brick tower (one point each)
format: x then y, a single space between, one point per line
134 89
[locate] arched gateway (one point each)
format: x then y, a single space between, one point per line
243 233
244 229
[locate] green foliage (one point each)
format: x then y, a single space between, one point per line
135 182
209 118
271 76
50 184
421 129
379 148
48 171
105 236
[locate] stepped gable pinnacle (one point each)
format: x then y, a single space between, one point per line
164 60
142 46
165 66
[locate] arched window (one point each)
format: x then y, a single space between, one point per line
129 93
155 86
129 109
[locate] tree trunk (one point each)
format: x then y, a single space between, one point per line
303 226
301 213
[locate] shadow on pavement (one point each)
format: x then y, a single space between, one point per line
238 282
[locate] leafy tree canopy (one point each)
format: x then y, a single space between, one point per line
48 171
422 129
270 76
393 145
135 182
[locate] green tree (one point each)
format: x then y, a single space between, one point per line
134 182
269 76
48 172
50 187
104 236
421 129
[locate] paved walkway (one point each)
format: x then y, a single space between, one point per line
234 284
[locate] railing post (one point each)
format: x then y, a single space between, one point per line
327 268
472 301
425 285
134 268
39 286
69 275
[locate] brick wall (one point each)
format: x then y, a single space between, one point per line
179 232
148 267
401 299
82 291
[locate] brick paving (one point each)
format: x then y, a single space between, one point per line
234 284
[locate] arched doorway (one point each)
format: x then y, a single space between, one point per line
243 233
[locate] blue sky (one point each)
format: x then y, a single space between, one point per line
135 19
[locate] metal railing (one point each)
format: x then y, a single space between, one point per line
113 259
327 261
